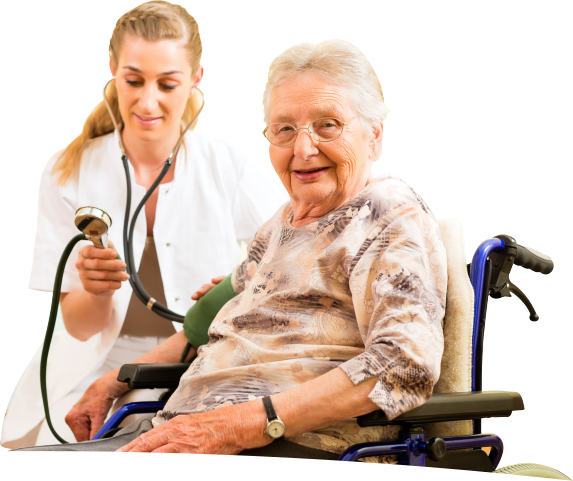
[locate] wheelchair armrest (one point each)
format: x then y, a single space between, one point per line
455 406
152 376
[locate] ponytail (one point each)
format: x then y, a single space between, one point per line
153 21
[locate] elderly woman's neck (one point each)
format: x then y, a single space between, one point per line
305 212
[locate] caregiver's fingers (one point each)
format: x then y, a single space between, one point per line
202 291
207 287
79 425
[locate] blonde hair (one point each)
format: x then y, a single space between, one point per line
152 21
341 64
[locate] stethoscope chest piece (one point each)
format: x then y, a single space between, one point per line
94 223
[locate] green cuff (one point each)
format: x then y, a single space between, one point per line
199 318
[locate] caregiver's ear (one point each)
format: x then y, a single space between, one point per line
196 79
112 67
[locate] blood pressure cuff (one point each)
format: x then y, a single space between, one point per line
198 319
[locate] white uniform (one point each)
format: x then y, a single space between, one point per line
218 198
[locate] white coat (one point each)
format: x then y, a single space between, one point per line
218 197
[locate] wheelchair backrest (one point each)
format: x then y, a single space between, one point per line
456 370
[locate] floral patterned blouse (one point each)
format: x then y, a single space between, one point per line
362 288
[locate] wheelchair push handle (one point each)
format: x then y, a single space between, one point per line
533 260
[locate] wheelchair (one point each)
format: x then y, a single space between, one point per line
444 432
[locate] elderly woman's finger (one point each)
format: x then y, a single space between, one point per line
129 446
169 448
217 280
149 441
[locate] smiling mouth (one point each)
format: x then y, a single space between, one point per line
310 171
147 119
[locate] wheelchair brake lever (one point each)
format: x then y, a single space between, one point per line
523 298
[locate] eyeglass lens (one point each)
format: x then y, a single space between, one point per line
322 130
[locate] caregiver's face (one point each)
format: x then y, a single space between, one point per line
154 82
320 173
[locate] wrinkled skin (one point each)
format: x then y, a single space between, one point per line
227 430
88 415
331 397
347 160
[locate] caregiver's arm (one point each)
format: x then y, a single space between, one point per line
88 415
86 312
168 351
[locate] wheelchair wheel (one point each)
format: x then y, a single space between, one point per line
532 470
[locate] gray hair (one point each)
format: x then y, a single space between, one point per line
342 64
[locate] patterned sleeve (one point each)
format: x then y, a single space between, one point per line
398 290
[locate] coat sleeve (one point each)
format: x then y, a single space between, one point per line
55 228
258 196
399 292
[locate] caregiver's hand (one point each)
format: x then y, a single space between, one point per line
88 415
100 272
226 430
207 287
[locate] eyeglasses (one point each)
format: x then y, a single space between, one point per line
325 129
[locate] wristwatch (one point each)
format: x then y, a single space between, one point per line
275 427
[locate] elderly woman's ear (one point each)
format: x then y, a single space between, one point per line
376 139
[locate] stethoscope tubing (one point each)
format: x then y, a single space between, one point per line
50 330
129 226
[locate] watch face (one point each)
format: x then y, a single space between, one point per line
276 429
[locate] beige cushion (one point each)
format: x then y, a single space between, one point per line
456 374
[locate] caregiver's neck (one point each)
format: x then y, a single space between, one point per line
148 154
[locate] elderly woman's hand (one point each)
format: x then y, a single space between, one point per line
226 430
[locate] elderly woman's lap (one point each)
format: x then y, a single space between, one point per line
278 449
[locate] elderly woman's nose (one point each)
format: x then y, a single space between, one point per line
304 145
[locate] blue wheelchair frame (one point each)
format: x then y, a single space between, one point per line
411 446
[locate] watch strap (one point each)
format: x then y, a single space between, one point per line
269 408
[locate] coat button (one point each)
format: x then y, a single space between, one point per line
176 299
168 244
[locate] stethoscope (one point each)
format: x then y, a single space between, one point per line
129 226
94 223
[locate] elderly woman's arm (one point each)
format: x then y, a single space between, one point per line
398 290
324 401
321 402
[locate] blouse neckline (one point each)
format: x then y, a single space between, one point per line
347 204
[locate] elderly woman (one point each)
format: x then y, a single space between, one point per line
339 303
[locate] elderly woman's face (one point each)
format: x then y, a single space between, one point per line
323 174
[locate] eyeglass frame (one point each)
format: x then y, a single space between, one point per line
307 128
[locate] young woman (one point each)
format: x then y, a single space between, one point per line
191 229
